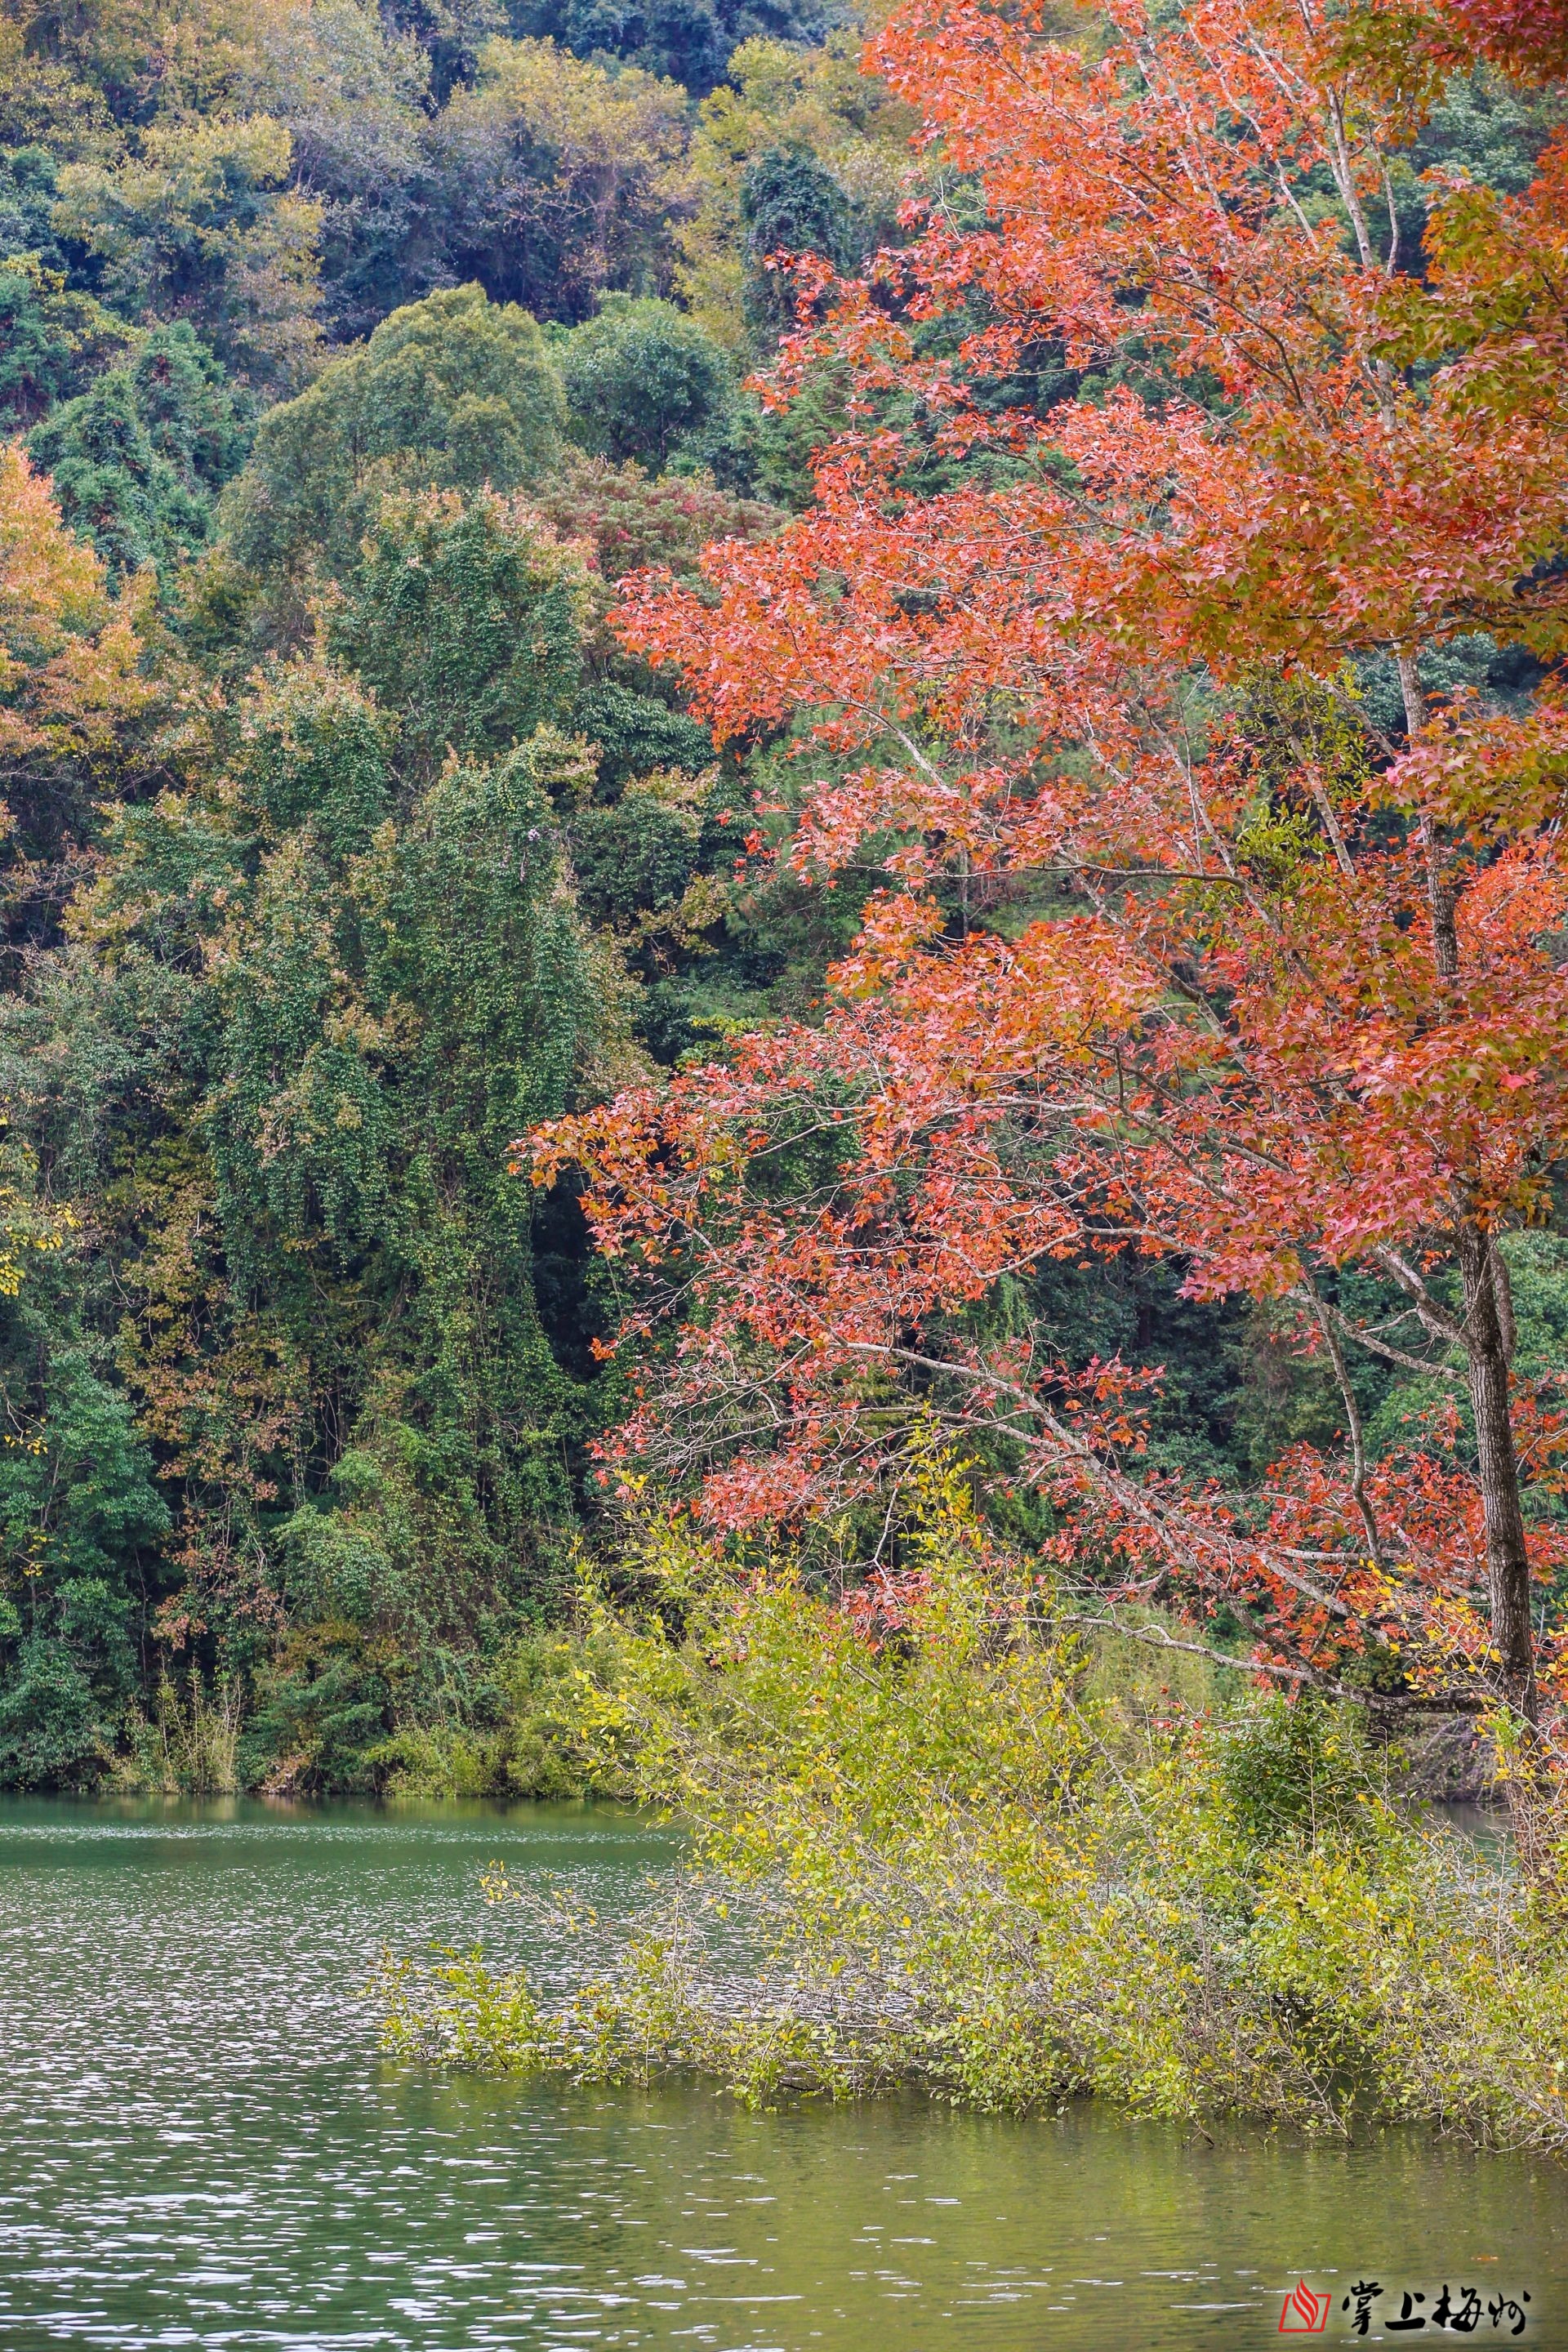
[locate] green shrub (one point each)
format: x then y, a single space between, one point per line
1292 1769
539 1732
959 1865
52 1732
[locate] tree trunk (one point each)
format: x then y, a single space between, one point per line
1489 1339
1486 1317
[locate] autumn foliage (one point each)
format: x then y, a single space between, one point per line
1283 1004
1530 36
75 692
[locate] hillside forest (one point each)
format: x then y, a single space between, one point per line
480 974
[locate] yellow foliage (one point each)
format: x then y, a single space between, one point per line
71 652
172 55
779 95
209 198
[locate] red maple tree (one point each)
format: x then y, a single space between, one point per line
1290 1005
1530 37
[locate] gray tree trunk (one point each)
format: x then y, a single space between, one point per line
1486 1336
1489 1339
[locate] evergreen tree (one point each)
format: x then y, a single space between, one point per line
52 341
137 460
692 41
789 205
454 392
643 382
467 620
80 1523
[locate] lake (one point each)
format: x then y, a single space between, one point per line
200 2145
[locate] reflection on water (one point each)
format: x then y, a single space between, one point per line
199 2147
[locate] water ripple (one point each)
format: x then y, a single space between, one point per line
200 2146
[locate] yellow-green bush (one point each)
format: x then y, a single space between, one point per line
959 1856
544 1739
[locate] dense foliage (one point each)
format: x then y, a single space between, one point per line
1185 953
1008 1870
353 359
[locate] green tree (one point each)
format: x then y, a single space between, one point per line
692 41
203 224
136 462
777 95
645 383
80 1529
355 90
790 205
556 180
28 188
52 341
467 621
396 994
309 1001
452 392
451 32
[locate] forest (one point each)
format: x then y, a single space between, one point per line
347 363
783 804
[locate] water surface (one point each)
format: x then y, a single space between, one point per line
199 2145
